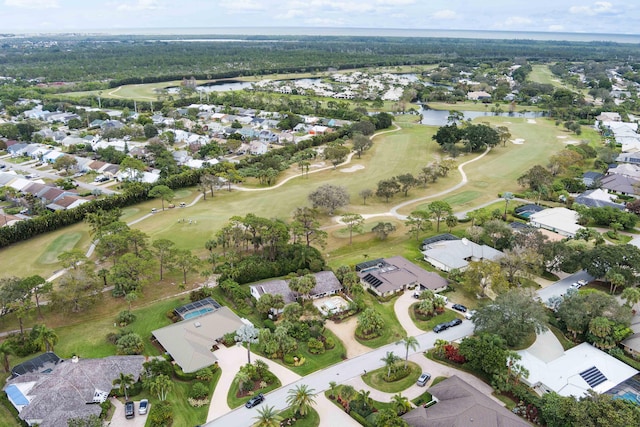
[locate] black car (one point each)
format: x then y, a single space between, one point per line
255 400
454 322
129 409
440 327
459 307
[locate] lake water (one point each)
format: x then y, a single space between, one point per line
439 117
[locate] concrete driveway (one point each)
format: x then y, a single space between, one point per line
118 419
561 287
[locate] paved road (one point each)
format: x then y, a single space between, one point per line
340 373
561 287
33 171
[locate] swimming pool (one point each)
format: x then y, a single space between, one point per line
628 396
197 313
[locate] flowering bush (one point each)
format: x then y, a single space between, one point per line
451 353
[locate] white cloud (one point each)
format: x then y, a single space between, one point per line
291 14
556 28
243 5
516 21
445 14
139 5
594 9
32 4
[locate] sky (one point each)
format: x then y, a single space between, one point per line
571 16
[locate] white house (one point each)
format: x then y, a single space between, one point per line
446 254
559 220
575 371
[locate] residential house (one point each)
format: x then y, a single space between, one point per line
620 184
386 276
592 179
72 140
573 372
73 389
607 116
625 169
598 198
559 220
191 342
66 202
258 148
51 156
17 149
478 95
447 252
458 403
629 158
326 284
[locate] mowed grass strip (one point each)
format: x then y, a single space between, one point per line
62 243
376 379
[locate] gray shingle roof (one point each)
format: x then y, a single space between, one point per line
326 282
460 404
65 392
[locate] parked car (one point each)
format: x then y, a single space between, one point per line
582 283
469 314
144 405
424 378
129 409
255 400
459 307
440 327
454 322
154 210
182 204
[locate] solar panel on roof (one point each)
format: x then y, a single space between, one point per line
593 376
372 280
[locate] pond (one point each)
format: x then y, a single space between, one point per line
439 117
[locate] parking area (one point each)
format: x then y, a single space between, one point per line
118 419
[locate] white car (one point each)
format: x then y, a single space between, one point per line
469 314
144 405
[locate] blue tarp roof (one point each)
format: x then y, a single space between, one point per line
16 396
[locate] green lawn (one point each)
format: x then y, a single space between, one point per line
233 401
541 73
375 379
315 362
427 325
392 331
88 338
312 419
185 414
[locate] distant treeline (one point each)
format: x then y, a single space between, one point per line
134 60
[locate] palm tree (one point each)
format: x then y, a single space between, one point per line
333 386
400 403
243 378
124 381
439 346
46 338
389 361
365 397
409 343
6 350
507 196
267 417
631 296
161 386
301 398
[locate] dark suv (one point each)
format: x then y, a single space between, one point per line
255 400
440 327
129 409
454 322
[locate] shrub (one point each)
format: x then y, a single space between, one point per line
181 375
329 343
397 374
315 346
205 374
288 359
105 407
129 343
197 403
229 339
199 391
453 354
125 318
161 414
268 323
171 314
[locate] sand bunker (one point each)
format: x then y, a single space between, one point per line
318 165
533 122
352 169
571 142
562 137
517 141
